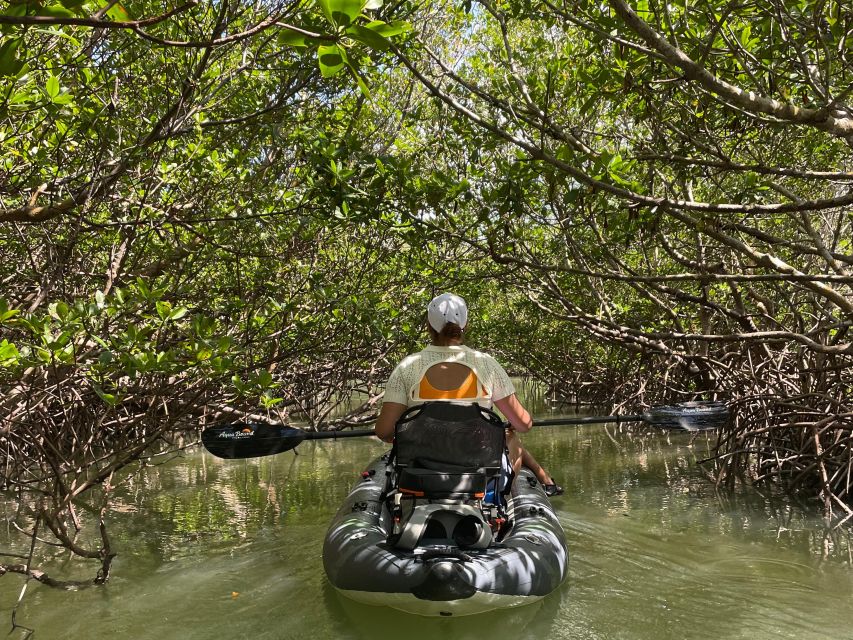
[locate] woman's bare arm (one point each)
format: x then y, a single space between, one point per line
388 416
515 413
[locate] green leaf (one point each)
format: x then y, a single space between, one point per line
178 313
341 13
373 5
109 398
116 12
58 310
6 312
52 86
365 90
331 58
369 37
9 63
290 38
144 291
238 383
388 29
5 315
55 11
264 378
744 36
17 10
8 353
164 310
269 402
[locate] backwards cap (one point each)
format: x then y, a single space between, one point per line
447 308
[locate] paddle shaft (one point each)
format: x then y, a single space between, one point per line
334 435
588 420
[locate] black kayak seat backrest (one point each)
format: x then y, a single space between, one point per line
448 448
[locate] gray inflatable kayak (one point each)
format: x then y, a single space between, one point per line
435 576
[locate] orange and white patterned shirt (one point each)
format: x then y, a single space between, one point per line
408 385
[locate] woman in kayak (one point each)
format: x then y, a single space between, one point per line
448 370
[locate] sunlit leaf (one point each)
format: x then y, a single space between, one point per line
369 37
341 13
52 87
8 353
365 91
331 58
291 38
164 309
117 12
388 29
110 398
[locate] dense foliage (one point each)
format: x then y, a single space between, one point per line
231 208
672 179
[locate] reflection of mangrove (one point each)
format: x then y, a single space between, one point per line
803 444
224 500
197 497
660 474
66 450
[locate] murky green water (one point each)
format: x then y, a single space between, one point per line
231 549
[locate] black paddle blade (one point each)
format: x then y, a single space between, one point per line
248 440
690 416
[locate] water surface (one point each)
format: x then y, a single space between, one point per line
231 549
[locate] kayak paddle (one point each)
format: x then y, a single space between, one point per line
252 440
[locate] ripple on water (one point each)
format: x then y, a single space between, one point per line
672 584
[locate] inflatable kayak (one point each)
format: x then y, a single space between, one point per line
445 555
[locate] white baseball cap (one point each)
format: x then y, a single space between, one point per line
447 308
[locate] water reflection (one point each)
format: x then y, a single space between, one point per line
231 549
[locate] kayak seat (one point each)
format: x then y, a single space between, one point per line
445 455
445 435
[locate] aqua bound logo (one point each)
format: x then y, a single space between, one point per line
236 435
